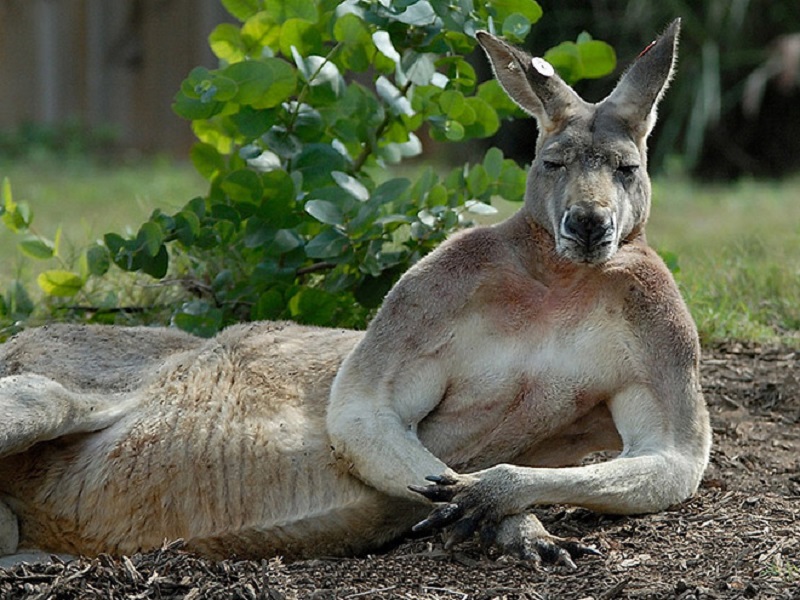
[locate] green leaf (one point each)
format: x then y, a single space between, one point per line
207 160
283 10
304 36
241 9
351 185
187 227
516 27
486 122
95 260
512 182
19 301
39 248
390 191
453 131
598 59
316 162
351 30
452 103
328 244
269 306
325 212
419 68
243 185
199 318
226 43
214 132
260 31
419 14
60 283
194 109
527 8
157 265
478 180
493 163
313 306
208 86
495 96
587 59
359 48
282 143
277 200
149 238
264 83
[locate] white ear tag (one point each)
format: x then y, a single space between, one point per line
543 67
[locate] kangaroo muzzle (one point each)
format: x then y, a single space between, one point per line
587 233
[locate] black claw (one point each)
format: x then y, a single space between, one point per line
576 549
433 492
441 517
442 479
549 552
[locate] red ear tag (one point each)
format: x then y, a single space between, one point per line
646 50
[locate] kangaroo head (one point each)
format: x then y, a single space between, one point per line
588 185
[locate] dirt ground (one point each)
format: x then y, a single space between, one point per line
739 537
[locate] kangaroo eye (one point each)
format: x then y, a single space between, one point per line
627 170
550 165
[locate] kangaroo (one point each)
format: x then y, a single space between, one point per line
495 365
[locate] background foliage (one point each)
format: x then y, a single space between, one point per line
724 46
297 129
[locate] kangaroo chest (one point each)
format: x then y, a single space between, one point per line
511 388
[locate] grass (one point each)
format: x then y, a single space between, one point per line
737 246
88 200
738 252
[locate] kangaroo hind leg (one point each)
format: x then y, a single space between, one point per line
34 409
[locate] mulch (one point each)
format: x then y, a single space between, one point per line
738 537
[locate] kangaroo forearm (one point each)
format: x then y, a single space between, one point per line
625 485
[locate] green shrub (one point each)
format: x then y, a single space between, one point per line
298 129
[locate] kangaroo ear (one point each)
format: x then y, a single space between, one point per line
530 82
640 89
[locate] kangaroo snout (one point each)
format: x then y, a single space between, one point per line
587 233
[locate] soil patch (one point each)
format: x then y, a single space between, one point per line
739 537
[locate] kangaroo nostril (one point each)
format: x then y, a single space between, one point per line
588 227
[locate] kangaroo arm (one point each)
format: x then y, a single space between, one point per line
666 449
625 485
374 431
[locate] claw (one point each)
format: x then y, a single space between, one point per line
553 554
440 517
434 493
576 549
442 479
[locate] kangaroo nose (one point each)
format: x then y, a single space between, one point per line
587 225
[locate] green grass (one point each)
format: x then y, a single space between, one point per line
738 251
88 200
737 245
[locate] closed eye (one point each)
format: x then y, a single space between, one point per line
551 165
627 170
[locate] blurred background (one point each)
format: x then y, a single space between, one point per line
103 74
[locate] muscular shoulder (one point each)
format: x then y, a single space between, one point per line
653 305
421 307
